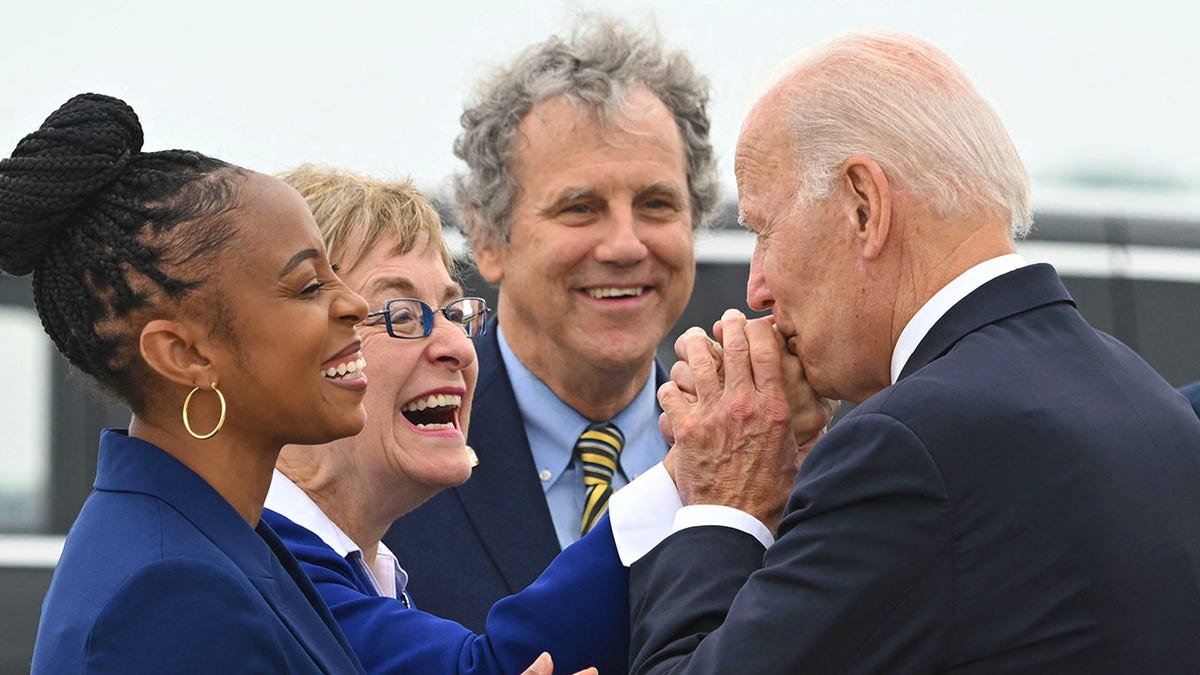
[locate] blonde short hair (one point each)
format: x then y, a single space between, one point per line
353 212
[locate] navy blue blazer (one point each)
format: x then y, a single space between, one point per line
161 575
577 610
1025 499
1192 392
470 546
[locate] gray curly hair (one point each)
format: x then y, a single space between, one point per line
600 63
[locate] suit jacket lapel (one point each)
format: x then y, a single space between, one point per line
319 634
1018 291
503 499
133 465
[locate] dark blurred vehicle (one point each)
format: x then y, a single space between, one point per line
1133 275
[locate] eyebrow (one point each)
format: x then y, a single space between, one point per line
306 254
571 194
568 195
396 287
663 188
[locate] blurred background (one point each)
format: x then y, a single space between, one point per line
1101 99
1101 94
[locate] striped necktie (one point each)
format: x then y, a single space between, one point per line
598 448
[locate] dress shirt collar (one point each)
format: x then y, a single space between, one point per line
553 427
941 302
290 501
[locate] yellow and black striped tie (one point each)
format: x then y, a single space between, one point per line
598 448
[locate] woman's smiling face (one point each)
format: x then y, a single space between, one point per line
290 365
421 389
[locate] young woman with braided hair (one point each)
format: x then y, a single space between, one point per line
199 294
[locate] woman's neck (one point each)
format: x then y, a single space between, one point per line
347 492
238 470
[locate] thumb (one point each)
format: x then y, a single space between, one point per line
542 666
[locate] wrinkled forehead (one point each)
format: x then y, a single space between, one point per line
764 151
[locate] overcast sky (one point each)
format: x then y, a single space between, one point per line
1097 87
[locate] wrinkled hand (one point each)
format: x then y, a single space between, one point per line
810 412
544 666
681 373
733 435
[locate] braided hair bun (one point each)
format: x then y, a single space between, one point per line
110 234
79 150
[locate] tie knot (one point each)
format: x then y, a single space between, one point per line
598 448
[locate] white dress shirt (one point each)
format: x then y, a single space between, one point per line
287 499
553 427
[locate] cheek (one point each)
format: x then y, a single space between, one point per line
538 266
772 265
673 247
470 376
388 371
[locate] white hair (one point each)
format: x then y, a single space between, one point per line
905 104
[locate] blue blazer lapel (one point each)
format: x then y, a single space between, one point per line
319 634
503 498
137 466
1009 294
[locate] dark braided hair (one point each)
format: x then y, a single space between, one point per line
97 223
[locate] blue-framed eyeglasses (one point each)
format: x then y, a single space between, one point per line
409 318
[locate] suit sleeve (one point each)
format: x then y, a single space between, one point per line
858 580
577 610
212 624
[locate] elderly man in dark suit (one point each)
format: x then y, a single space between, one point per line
1016 492
589 168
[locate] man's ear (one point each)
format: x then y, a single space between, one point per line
870 203
489 259
170 348
489 251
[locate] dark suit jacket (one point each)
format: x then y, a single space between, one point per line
577 610
1025 499
470 546
161 575
1192 392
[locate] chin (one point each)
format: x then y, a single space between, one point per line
448 477
350 426
617 353
462 476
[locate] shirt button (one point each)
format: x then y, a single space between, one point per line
544 474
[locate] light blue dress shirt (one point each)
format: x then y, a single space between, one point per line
552 427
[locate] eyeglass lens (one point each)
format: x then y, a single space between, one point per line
411 318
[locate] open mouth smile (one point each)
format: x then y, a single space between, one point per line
433 412
345 370
604 292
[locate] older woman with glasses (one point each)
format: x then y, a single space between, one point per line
332 503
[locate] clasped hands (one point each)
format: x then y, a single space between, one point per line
740 416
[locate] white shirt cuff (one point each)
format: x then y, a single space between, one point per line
726 516
649 510
642 513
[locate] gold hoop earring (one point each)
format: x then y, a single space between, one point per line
220 422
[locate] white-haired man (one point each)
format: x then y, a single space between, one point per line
1015 493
